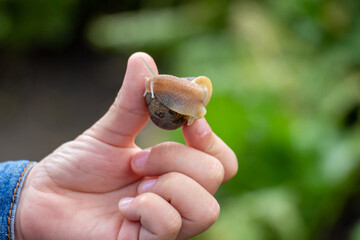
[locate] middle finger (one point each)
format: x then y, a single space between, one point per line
175 157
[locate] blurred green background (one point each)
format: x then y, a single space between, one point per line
286 77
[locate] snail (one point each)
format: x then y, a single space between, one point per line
173 101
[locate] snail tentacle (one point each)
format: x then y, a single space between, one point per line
148 67
152 89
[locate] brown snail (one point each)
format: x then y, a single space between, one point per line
173 101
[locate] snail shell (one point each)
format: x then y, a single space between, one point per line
162 116
173 101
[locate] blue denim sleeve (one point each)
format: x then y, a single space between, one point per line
12 177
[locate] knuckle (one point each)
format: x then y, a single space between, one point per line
210 146
173 224
145 199
212 213
234 166
216 171
172 179
171 220
165 149
168 145
165 182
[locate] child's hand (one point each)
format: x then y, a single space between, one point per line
102 186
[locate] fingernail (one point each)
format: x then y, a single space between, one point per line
146 185
125 202
141 158
202 127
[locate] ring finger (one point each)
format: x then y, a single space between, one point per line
197 207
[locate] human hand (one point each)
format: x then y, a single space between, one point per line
102 186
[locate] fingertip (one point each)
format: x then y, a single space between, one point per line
135 60
146 185
139 160
198 130
125 203
202 128
133 87
137 55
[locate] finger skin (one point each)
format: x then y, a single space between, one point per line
198 208
129 230
128 114
159 220
200 136
175 157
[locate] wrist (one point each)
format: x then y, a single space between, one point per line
18 217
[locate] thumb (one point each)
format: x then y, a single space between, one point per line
128 114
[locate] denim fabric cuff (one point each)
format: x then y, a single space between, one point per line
12 177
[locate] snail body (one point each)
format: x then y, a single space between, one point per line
173 101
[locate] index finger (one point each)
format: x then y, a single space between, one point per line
200 136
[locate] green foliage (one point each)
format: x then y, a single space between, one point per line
35 23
